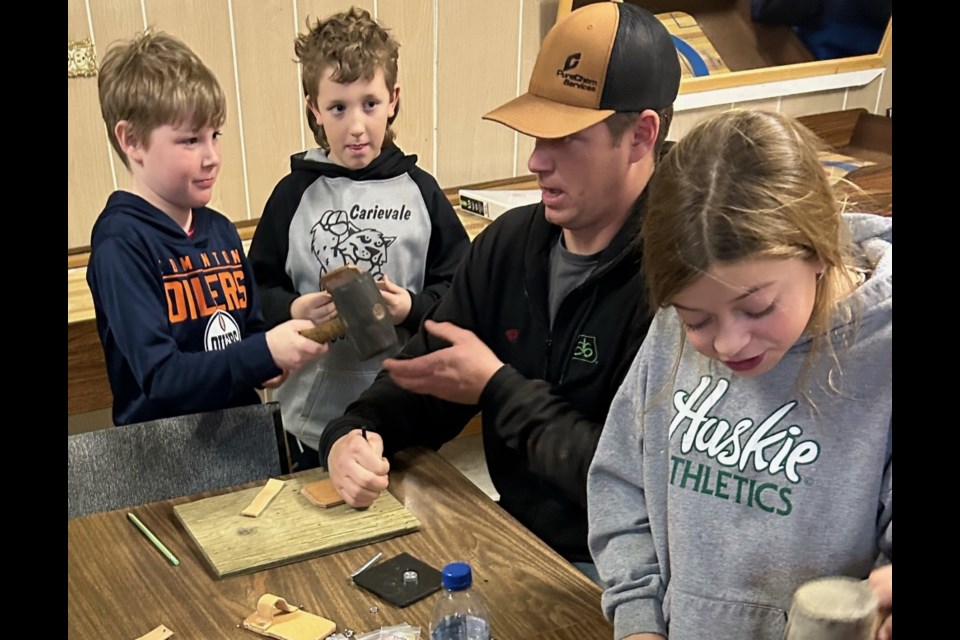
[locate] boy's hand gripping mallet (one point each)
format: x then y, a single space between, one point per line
361 313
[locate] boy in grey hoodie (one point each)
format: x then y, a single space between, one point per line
355 199
749 449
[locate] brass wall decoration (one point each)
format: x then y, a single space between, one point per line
81 59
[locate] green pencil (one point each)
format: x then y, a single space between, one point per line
159 545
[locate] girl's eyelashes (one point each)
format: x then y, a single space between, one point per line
765 312
694 327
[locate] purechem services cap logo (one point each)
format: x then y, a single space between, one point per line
576 80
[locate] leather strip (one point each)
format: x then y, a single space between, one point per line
160 633
266 495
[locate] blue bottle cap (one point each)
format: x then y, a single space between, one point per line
457 576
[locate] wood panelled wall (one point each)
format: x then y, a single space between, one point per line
458 59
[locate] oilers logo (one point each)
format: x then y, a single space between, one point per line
222 330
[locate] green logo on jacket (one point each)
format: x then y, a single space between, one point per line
586 350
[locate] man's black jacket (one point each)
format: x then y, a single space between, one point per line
542 412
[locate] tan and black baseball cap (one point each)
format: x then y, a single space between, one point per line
600 59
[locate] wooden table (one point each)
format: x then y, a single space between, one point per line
119 586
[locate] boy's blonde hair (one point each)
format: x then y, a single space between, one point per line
746 185
355 46
155 80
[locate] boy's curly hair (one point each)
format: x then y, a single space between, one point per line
155 80
355 46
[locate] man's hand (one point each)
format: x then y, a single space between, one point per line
881 583
357 468
457 373
317 307
397 298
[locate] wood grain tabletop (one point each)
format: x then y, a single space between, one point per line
120 586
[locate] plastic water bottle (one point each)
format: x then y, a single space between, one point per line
459 613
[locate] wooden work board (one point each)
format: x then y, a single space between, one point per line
290 529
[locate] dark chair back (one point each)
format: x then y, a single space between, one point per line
134 464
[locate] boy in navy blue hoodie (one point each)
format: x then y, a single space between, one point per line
175 300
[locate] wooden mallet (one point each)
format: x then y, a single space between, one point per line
361 313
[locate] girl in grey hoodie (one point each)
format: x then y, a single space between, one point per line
749 449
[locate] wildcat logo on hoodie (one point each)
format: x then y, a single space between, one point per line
336 241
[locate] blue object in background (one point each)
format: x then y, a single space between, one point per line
829 28
697 65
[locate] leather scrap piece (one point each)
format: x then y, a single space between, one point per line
276 618
160 633
322 493
264 498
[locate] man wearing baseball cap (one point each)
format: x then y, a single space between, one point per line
547 312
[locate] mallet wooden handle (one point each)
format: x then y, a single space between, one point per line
325 332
